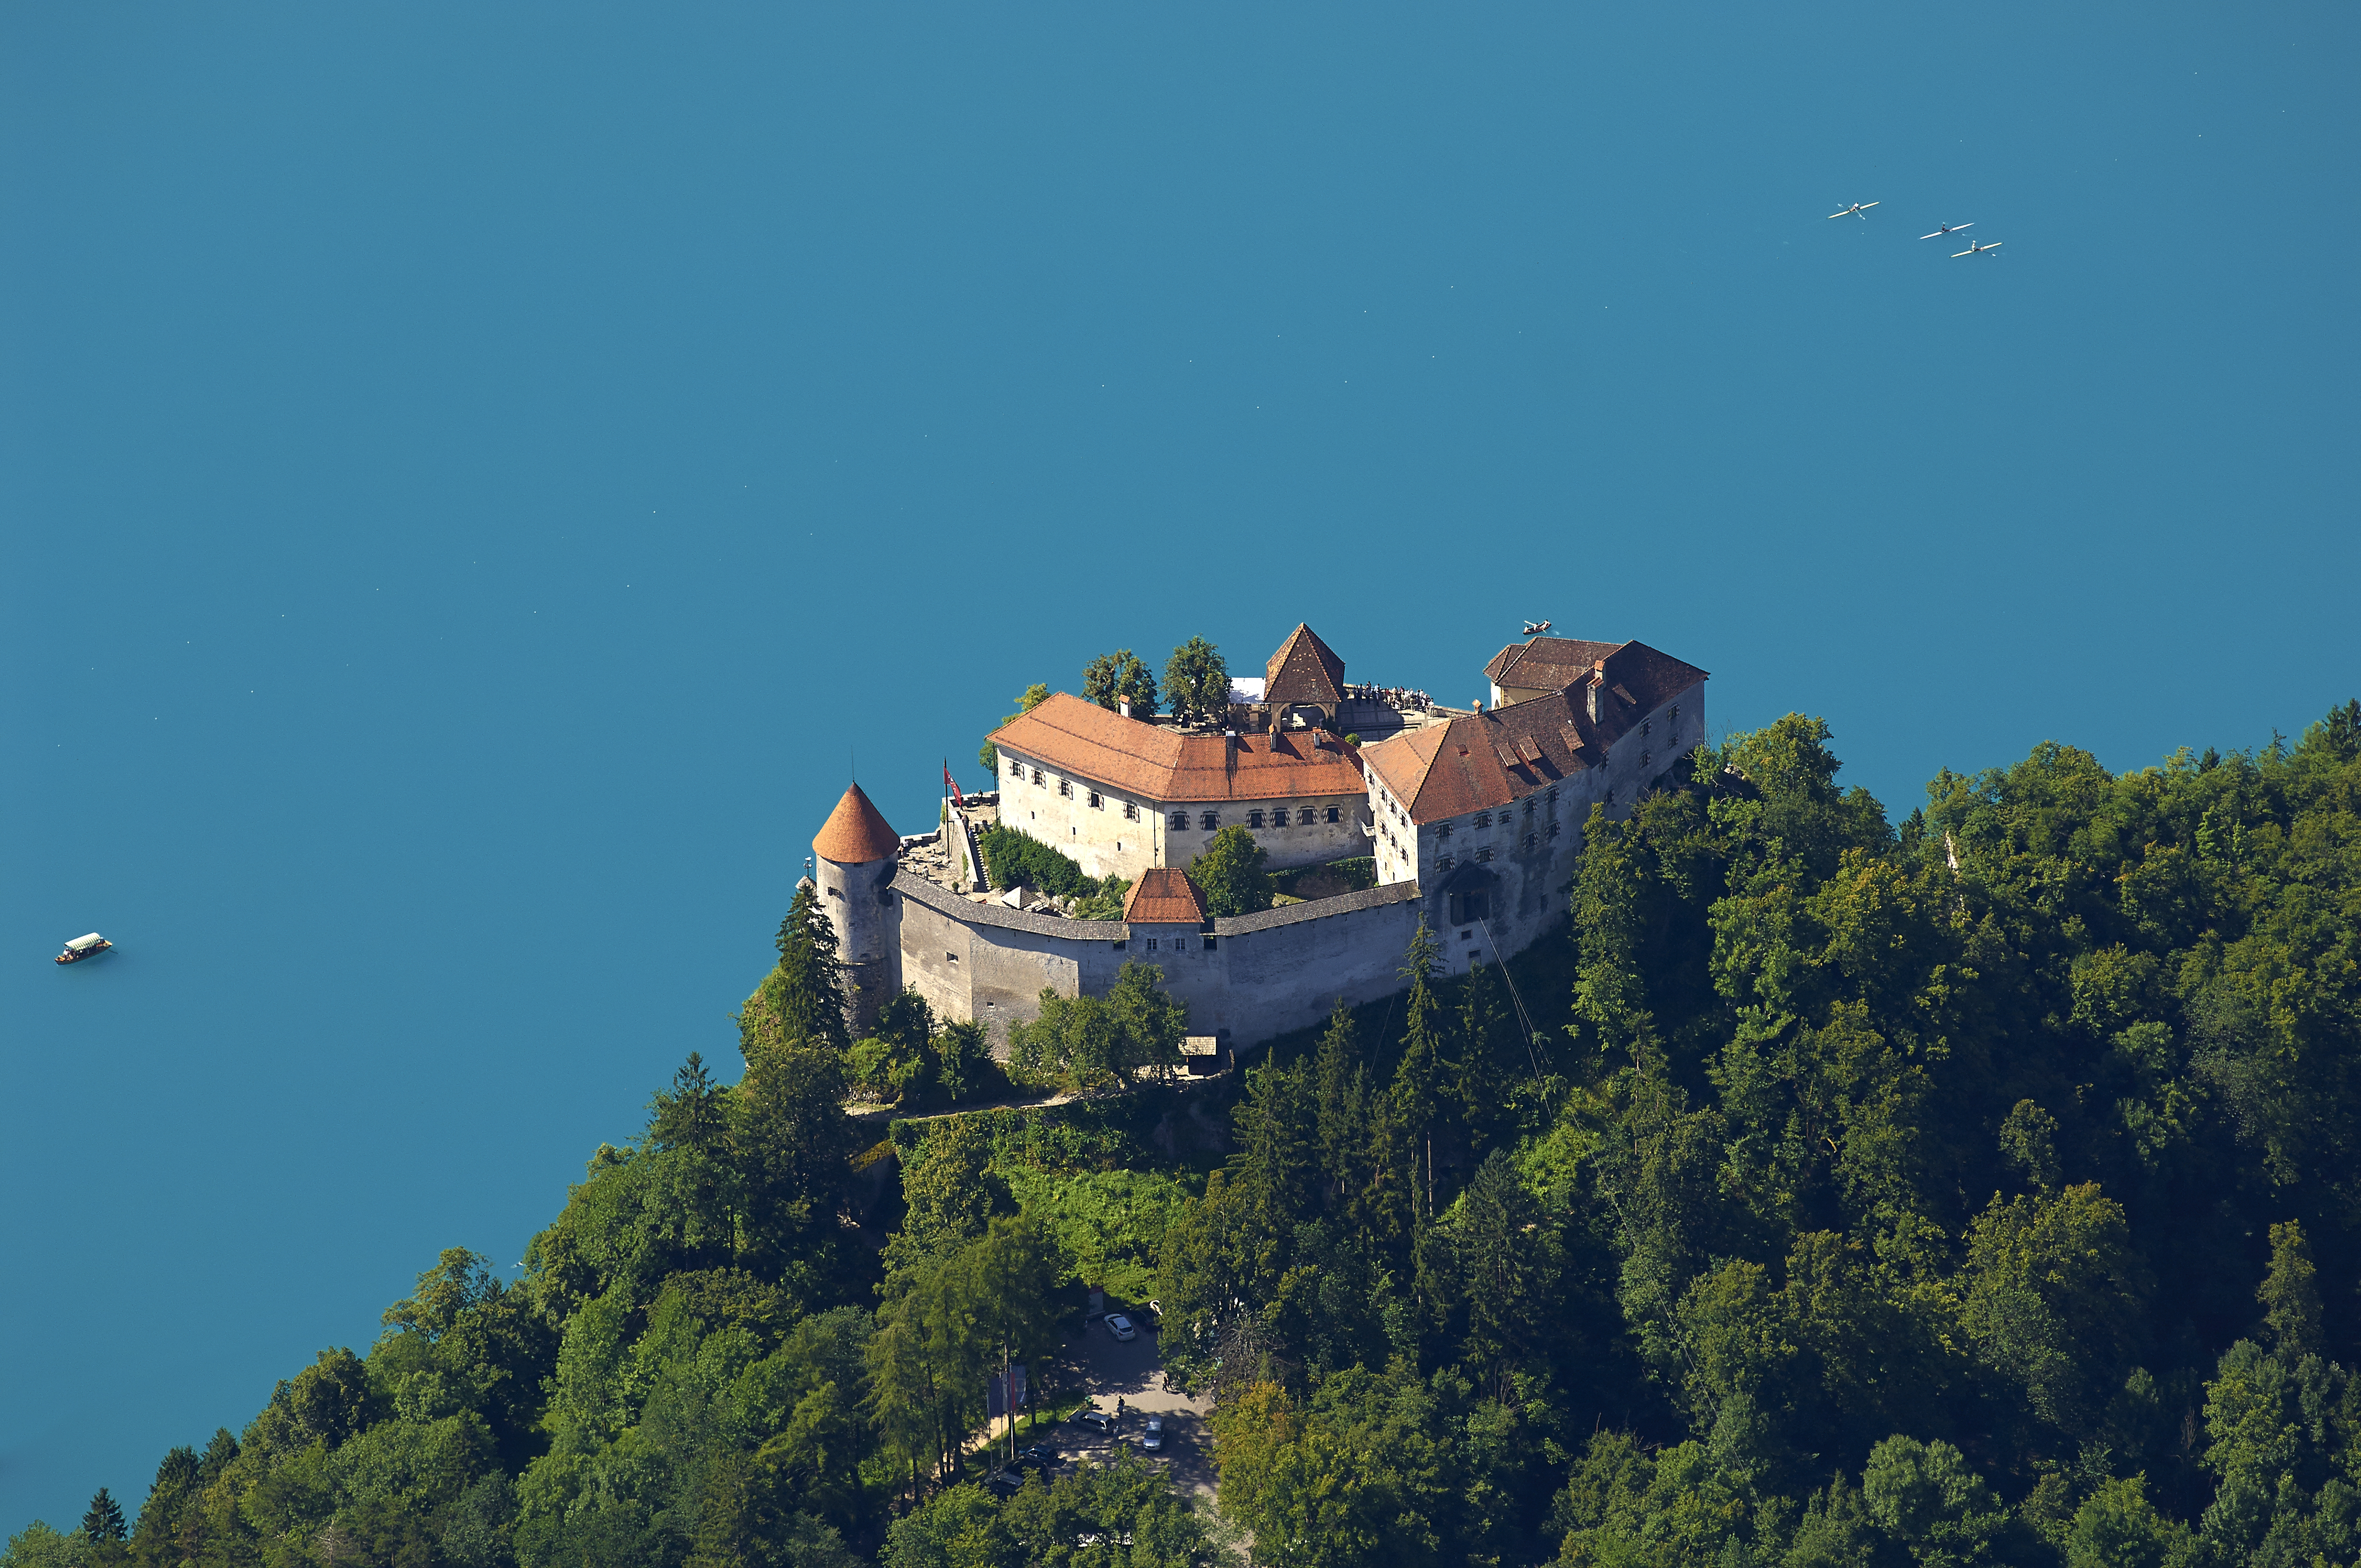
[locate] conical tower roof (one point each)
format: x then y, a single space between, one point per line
856 832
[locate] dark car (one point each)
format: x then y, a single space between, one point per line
1005 1482
1039 1456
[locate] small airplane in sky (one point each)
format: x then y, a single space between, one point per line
1535 628
1947 228
1973 249
1857 210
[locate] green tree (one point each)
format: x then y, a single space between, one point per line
1341 1084
1418 1081
897 1063
802 1000
2054 1299
2290 1293
1197 683
37 1545
1031 697
2117 1527
795 1143
1926 1497
1277 1163
1230 874
104 1521
1118 677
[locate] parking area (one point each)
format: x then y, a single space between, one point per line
1110 1370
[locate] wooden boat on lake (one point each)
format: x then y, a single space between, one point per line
83 947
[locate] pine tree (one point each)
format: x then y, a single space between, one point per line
104 1520
1485 1033
1275 1135
802 999
1342 1109
1419 1077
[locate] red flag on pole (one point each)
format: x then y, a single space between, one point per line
951 783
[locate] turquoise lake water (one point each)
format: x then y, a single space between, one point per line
472 486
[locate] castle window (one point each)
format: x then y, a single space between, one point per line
1643 727
1529 840
1645 758
1304 817
1037 776
1673 718
1066 788
1211 820
1553 831
1179 819
1483 855
950 958
1443 830
1529 808
1610 800
1254 818
1333 813
1096 801
1208 943
1121 946
1151 944
1130 812
1483 819
1015 770
1444 864
1551 796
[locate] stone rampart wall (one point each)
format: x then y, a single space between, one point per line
1264 975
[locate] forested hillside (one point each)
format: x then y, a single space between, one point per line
1978 1188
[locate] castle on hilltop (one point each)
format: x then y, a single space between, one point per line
1472 818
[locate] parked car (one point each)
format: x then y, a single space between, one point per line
1005 1482
1120 1326
1039 1456
1152 1438
1099 1421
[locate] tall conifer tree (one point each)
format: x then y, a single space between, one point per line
1417 1082
1342 1115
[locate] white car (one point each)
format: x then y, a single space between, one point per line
1152 1437
1120 1326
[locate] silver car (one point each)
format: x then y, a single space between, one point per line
1120 1326
1152 1437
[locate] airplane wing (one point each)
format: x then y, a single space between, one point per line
1845 213
1957 254
1936 234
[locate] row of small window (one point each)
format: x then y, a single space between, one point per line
1066 787
1483 855
1306 815
1177 944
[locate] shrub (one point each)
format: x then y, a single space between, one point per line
1012 856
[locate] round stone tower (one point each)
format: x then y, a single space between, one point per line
855 858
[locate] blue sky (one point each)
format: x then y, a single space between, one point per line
471 480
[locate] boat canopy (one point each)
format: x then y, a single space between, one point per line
78 943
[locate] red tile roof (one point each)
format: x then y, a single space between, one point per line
1552 663
1547 663
1485 761
1303 670
1165 896
856 832
1157 762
